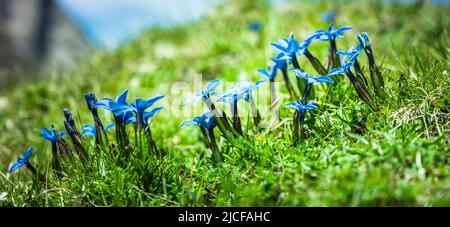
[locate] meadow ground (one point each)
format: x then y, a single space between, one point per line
402 158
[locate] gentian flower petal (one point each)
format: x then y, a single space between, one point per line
121 99
110 125
130 119
213 84
188 123
88 130
62 133
48 134
151 113
324 79
21 161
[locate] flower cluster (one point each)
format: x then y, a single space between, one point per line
139 112
124 114
290 49
229 128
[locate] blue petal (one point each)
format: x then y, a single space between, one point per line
110 125
48 134
154 99
104 103
279 48
343 29
310 106
88 130
28 153
213 85
192 100
263 73
211 123
283 41
16 165
148 115
337 71
294 105
188 123
63 133
324 79
121 99
121 110
130 119
259 82
279 61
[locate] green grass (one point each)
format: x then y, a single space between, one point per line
402 159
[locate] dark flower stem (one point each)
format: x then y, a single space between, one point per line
55 159
236 119
301 119
300 82
289 86
76 143
273 99
150 142
255 113
298 120
214 148
62 145
359 74
316 63
375 75
306 93
121 133
205 136
33 170
69 118
221 119
100 136
360 89
333 58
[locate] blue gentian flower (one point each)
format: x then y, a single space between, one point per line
206 120
364 40
328 16
22 161
270 73
331 34
138 107
89 130
232 96
310 79
287 47
247 87
280 62
149 114
255 26
304 45
352 54
50 135
110 104
299 106
204 94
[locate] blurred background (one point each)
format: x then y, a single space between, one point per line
41 36
38 37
